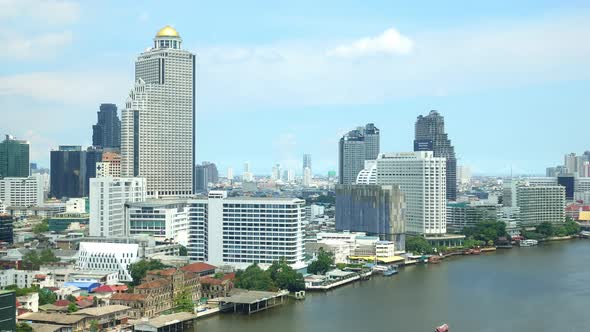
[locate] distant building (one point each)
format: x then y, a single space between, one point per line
93 157
430 135
108 257
110 165
162 219
14 158
68 172
306 161
538 204
247 176
354 148
107 203
374 209
159 120
306 177
555 171
464 215
230 173
205 174
22 192
6 229
422 179
106 133
61 222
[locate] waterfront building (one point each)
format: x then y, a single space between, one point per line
161 219
108 257
14 158
68 171
110 165
108 196
6 228
205 174
538 204
240 231
354 148
106 133
468 214
306 161
22 191
422 179
430 135
159 121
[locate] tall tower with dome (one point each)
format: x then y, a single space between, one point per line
158 130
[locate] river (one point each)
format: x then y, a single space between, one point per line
544 288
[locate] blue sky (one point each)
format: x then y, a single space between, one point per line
278 79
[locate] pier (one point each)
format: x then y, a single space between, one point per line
250 302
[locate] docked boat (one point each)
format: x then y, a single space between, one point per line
528 243
390 271
585 234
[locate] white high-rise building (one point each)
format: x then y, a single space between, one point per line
230 173
163 219
22 192
158 126
108 196
463 174
240 231
307 177
422 178
276 172
538 204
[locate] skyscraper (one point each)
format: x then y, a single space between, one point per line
306 161
14 158
68 172
355 147
158 128
430 136
204 174
106 133
93 156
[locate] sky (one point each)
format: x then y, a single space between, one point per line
277 79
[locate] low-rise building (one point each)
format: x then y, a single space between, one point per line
98 257
29 302
213 288
106 317
181 321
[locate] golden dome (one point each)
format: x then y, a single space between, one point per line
167 31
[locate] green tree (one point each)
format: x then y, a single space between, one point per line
47 256
285 277
94 325
139 269
184 302
219 275
545 229
419 245
571 227
46 296
32 259
23 327
41 227
490 230
254 278
322 264
71 298
183 251
72 307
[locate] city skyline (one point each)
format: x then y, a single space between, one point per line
49 82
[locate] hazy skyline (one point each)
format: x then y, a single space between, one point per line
279 79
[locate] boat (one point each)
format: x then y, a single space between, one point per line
442 328
585 234
390 271
380 268
434 259
528 243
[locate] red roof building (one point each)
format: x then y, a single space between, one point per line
200 268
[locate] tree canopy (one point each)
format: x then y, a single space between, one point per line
41 227
140 268
419 245
487 231
32 260
547 229
23 327
254 278
278 276
322 264
46 296
72 307
285 277
184 302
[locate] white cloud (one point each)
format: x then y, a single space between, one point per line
40 11
389 42
17 47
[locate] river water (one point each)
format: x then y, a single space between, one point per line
544 288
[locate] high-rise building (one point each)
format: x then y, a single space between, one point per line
306 161
108 196
109 166
307 177
247 175
430 136
230 173
463 174
93 157
538 204
250 238
68 172
464 214
354 148
422 179
555 171
22 192
6 228
14 158
569 161
373 209
276 172
106 133
7 310
163 219
205 174
158 127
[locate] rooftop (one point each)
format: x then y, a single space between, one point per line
52 318
242 296
198 267
154 284
101 311
128 297
165 320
